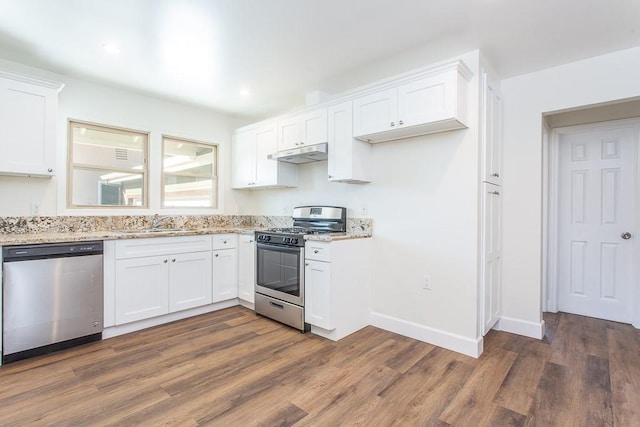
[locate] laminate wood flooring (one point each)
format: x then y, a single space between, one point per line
233 368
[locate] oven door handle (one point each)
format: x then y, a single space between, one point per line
279 248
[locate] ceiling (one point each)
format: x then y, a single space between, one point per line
206 52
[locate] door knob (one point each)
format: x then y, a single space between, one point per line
626 235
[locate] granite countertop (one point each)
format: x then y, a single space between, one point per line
56 237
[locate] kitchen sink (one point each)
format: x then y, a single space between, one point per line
156 230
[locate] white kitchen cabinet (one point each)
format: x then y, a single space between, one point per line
189 280
318 295
142 288
225 268
28 114
307 128
337 280
491 130
349 159
250 167
491 256
246 267
161 275
436 102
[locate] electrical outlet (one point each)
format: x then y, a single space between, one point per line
364 210
427 282
35 208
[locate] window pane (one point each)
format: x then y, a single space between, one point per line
185 191
107 166
189 171
100 187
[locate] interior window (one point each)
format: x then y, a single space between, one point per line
107 166
189 173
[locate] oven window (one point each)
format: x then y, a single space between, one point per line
278 270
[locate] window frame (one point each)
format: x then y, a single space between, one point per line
214 172
73 123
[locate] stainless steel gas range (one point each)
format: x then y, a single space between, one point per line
280 262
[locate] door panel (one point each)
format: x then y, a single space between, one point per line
596 205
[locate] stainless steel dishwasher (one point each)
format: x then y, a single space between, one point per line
52 297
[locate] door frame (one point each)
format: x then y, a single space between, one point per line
550 194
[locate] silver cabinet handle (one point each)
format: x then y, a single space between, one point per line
173 260
165 261
330 176
392 124
49 170
495 193
400 122
315 251
307 264
224 242
626 235
217 255
496 174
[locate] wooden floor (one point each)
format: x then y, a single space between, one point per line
232 368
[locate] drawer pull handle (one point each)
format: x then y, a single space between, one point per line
315 251
217 255
224 242
280 306
173 260
165 261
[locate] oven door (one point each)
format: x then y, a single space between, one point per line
280 272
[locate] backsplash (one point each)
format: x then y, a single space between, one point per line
72 224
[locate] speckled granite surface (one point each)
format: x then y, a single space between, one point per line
26 230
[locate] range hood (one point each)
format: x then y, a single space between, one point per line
308 154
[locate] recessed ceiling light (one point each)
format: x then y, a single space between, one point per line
111 48
244 92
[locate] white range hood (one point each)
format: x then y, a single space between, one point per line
308 154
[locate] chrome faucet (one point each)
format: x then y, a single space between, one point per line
157 220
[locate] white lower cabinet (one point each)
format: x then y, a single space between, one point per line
337 280
161 275
317 310
225 267
142 288
246 267
189 281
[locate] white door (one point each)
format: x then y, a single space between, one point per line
375 113
225 274
190 280
596 203
491 255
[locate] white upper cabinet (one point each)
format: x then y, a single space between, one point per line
28 109
491 131
250 167
433 103
349 159
308 128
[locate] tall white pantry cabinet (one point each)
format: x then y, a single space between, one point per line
491 201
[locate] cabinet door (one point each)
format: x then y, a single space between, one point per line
189 280
27 128
375 113
243 159
313 127
266 143
491 255
427 100
142 288
349 159
225 274
289 133
491 131
246 268
317 282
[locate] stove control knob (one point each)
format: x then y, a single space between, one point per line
267 238
294 241
286 239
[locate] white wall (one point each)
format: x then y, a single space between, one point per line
85 101
595 80
423 199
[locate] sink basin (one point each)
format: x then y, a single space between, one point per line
155 230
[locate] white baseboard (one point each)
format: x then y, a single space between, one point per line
114 331
458 343
521 327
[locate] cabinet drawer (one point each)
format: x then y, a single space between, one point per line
224 241
319 251
135 248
